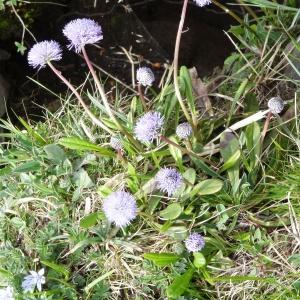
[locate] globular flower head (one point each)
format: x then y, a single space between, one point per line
168 180
116 143
276 105
202 3
35 279
7 293
194 242
145 76
120 208
81 32
43 52
148 127
184 130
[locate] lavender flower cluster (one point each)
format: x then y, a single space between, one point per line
120 207
79 32
194 242
202 3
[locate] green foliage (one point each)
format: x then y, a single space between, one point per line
239 190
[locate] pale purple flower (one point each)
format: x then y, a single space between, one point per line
276 105
148 127
145 76
81 32
7 293
194 242
43 52
35 279
120 208
168 180
115 143
184 130
202 3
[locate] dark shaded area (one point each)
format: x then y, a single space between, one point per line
145 28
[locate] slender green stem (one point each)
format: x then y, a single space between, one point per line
249 9
228 11
234 15
176 58
105 100
94 119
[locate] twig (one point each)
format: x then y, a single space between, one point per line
105 100
87 110
176 57
141 94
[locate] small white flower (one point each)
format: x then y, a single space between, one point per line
202 3
276 105
116 143
184 130
35 279
145 76
7 293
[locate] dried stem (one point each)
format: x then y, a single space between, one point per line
266 126
141 95
176 57
105 100
94 119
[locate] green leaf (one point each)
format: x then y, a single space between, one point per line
55 153
204 167
32 132
294 260
76 143
5 171
296 285
58 268
180 284
175 152
190 175
253 143
199 260
186 82
171 212
91 220
29 166
231 161
97 280
162 259
177 232
20 47
207 187
82 179
228 146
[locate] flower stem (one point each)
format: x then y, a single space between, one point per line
176 58
266 126
105 100
234 15
113 232
228 11
94 119
141 94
